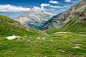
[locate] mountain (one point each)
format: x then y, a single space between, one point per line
73 19
34 18
50 20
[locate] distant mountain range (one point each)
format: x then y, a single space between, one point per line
35 19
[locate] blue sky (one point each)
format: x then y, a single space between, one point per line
12 8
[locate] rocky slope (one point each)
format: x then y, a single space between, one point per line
74 15
34 18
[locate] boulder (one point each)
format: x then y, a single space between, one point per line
13 37
38 38
43 38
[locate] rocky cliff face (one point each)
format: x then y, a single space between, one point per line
78 11
34 19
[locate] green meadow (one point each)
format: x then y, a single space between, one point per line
50 44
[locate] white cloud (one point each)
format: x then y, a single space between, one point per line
11 8
54 2
42 8
38 8
44 5
55 6
67 0
59 6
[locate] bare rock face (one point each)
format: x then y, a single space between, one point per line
13 37
34 19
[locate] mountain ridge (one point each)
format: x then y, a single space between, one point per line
76 12
34 18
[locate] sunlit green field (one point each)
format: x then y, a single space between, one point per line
55 45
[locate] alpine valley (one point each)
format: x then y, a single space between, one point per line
63 35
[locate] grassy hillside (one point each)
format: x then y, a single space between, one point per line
9 27
51 44
75 25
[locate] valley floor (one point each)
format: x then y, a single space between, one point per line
54 45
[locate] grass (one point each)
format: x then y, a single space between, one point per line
60 46
54 30
54 45
78 27
75 26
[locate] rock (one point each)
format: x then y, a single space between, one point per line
46 34
38 32
28 40
51 40
76 47
39 38
59 50
13 37
77 44
31 37
43 38
63 51
45 56
27 29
